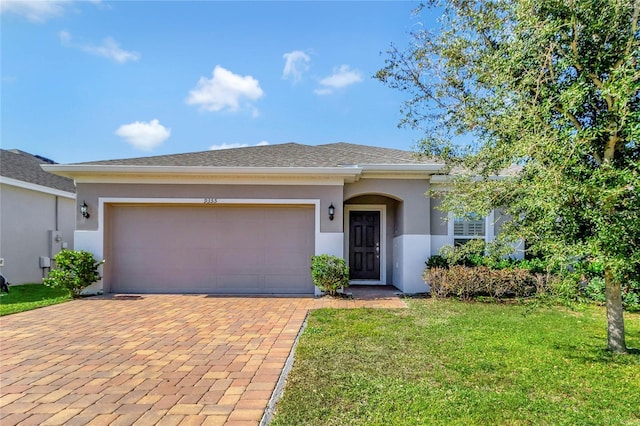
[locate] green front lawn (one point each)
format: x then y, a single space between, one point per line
30 296
447 362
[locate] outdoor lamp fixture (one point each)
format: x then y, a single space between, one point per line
332 211
83 210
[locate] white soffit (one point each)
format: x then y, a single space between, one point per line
189 174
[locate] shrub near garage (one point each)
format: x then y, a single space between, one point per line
329 273
75 270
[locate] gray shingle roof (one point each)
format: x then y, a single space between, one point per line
19 165
282 155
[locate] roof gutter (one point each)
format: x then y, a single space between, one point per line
350 173
74 169
80 172
447 179
410 168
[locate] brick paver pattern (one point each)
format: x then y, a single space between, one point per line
154 360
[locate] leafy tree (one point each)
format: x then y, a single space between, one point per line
551 87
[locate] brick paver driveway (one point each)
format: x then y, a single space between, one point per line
175 359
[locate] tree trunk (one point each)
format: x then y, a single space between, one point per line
615 320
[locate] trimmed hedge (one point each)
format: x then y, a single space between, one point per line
476 269
466 282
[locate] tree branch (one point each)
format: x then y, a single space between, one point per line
574 44
594 78
634 27
610 150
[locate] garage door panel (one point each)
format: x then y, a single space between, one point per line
238 236
202 257
164 279
286 283
161 257
239 261
219 249
288 258
241 283
279 243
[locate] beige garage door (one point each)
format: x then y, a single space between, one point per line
210 249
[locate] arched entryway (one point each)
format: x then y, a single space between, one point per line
370 223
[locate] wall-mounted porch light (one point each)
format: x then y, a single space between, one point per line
84 210
332 211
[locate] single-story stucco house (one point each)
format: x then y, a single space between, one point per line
37 216
247 220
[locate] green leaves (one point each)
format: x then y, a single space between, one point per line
75 271
552 87
329 273
547 85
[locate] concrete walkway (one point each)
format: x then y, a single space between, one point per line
151 360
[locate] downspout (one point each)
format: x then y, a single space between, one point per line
56 218
56 213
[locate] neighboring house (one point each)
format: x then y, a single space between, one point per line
247 220
37 216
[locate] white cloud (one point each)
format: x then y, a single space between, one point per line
324 91
235 145
108 49
341 77
65 37
35 11
38 11
225 90
144 136
295 64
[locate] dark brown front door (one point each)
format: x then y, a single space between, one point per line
364 245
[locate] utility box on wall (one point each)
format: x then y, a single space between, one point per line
55 242
45 262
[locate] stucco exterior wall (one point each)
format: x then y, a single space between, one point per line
413 214
327 194
410 240
26 217
438 218
91 237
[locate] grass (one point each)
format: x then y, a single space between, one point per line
31 296
447 362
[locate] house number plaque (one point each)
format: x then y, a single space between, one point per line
211 201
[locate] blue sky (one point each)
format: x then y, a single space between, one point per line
96 80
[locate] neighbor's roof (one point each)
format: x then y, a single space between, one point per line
282 155
25 167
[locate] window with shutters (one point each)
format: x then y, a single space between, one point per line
468 228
